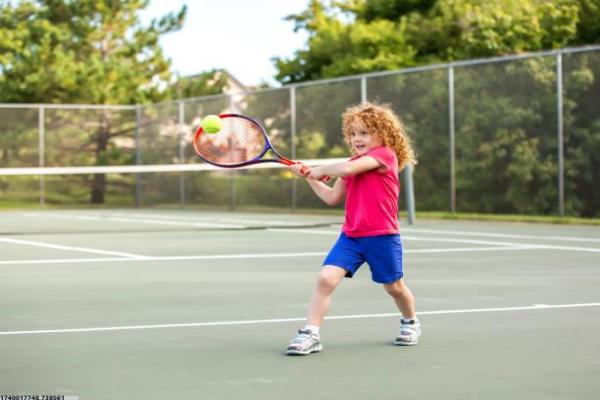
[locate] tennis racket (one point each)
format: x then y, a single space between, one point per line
241 141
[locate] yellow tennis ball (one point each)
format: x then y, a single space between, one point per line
212 124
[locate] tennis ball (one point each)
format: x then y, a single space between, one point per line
212 124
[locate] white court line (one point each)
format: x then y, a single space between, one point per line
470 249
502 235
235 221
283 320
165 220
131 218
71 248
437 239
404 237
67 261
246 256
139 217
524 245
173 223
221 219
165 258
569 248
309 231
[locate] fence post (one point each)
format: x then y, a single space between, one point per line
42 152
452 133
232 172
181 123
293 144
363 89
138 155
560 128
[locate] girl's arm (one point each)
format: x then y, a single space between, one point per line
331 195
362 164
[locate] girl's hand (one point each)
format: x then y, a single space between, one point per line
300 170
317 173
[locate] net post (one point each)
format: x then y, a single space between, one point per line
409 192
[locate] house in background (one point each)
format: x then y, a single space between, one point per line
194 87
218 81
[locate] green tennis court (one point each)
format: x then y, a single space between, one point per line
154 304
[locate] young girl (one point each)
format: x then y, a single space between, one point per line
369 181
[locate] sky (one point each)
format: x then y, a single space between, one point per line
240 36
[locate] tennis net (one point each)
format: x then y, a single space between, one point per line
262 187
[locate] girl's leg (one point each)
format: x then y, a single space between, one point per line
410 327
329 277
403 298
308 339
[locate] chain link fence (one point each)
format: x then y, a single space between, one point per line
510 135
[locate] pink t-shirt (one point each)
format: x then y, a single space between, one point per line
372 197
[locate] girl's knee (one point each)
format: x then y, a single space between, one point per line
395 288
329 278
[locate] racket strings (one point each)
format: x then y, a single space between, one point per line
239 140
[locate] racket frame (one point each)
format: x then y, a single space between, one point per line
258 159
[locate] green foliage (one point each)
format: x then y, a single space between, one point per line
582 134
350 37
319 109
421 99
588 22
469 29
392 9
83 51
337 48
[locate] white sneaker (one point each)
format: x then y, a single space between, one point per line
304 343
410 330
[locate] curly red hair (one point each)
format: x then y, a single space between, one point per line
379 119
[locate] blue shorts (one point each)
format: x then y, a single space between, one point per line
383 254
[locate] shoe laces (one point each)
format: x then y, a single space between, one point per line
408 327
304 335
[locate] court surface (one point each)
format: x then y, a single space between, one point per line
156 304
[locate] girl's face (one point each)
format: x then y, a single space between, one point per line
361 139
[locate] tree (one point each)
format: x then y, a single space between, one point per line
350 37
391 9
588 22
338 48
457 30
84 51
